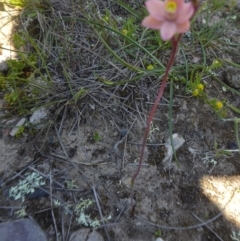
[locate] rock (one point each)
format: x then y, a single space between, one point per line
95 236
80 235
85 234
38 116
159 239
200 229
14 131
232 76
21 230
3 66
178 141
2 104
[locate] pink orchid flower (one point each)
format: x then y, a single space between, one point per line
170 17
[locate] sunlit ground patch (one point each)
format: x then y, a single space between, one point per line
6 29
224 192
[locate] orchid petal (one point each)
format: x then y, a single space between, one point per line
168 30
178 2
185 13
150 22
184 27
156 9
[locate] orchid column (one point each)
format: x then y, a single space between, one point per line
172 19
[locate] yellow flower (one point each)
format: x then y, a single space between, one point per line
216 61
219 105
150 67
200 87
106 18
195 92
124 31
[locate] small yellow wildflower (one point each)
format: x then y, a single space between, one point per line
150 67
124 31
195 92
216 61
106 18
219 105
200 87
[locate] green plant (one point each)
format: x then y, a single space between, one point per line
17 3
20 86
218 107
18 40
158 233
129 28
96 137
216 4
20 131
15 84
220 152
195 85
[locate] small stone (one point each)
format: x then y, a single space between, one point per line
21 230
14 131
95 236
178 141
80 235
127 181
38 116
232 145
200 229
84 234
3 66
92 106
2 104
123 132
152 219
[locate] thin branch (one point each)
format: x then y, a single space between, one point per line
52 212
199 219
100 212
179 228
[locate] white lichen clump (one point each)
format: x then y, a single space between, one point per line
83 218
26 186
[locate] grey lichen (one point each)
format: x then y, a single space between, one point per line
83 218
26 186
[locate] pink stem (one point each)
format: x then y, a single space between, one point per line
174 41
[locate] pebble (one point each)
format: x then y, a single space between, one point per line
200 229
38 116
2 104
159 239
3 66
21 230
14 131
85 234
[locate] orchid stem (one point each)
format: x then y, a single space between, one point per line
174 41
